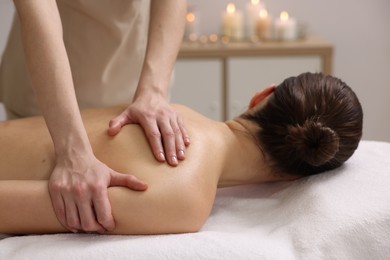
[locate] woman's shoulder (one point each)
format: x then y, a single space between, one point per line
200 124
129 150
192 115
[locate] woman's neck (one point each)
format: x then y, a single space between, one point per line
245 162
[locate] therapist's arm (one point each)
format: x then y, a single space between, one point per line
78 184
162 124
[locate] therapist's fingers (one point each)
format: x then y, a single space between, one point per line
102 205
173 142
125 180
183 130
103 214
88 220
59 206
152 133
180 140
181 137
72 215
163 127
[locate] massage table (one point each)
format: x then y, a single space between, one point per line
342 214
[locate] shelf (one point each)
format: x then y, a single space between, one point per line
312 45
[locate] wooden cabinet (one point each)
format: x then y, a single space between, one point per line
219 80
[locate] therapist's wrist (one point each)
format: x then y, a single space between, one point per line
153 82
148 92
73 146
75 159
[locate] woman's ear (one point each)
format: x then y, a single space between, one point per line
261 95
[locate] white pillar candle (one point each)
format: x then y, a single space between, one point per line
252 12
232 23
286 28
264 25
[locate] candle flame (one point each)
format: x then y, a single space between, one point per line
255 2
263 13
190 17
231 8
284 16
213 38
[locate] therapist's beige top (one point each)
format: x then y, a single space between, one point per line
105 41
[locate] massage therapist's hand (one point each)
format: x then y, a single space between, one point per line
162 125
78 188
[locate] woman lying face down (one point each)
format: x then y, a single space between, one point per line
307 125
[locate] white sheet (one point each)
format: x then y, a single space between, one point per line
343 214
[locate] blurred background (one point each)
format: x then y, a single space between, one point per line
358 30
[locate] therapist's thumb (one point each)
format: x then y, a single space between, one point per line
129 181
115 125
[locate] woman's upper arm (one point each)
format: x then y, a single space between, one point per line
159 210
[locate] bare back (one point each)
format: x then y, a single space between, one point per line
27 151
27 154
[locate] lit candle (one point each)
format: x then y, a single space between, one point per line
263 25
286 27
191 29
232 23
213 38
252 11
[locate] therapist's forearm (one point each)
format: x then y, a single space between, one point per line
50 73
166 29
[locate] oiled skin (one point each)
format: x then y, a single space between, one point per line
178 199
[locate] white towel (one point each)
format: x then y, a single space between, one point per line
342 214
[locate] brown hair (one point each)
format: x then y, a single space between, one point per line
312 123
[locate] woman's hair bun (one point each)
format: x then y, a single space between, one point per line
313 142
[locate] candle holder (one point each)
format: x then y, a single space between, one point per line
232 23
264 25
285 28
255 10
